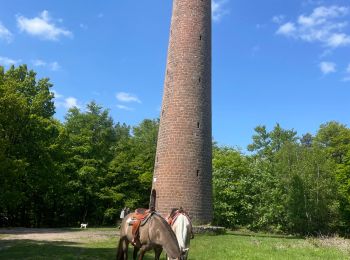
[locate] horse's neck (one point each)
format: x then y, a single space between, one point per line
161 234
182 229
182 220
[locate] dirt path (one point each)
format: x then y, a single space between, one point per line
71 235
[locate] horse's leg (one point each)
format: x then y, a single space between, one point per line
126 247
157 252
136 250
122 249
142 253
186 255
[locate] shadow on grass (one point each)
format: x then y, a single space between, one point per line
33 249
24 231
252 234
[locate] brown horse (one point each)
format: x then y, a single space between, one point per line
154 234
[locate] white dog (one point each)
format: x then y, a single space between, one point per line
83 225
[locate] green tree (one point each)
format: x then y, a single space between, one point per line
265 190
91 138
144 143
309 186
27 133
232 201
265 143
133 164
120 183
334 137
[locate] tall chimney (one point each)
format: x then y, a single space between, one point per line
183 167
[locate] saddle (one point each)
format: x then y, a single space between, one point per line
174 214
139 218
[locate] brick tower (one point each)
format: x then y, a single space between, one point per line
183 168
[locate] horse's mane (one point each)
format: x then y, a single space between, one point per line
174 211
162 220
164 224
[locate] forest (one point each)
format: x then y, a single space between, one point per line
88 167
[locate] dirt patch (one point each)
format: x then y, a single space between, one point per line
57 234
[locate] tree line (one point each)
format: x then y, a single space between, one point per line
87 168
59 174
289 183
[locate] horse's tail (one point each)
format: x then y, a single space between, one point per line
120 250
152 203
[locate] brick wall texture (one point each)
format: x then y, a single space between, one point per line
183 167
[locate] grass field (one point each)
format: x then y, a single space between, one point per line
100 243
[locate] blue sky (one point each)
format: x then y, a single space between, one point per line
273 60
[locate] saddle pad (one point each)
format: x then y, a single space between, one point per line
144 220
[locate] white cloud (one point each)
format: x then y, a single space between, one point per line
312 2
347 76
259 26
39 63
70 102
218 10
326 53
329 12
338 39
287 29
325 25
83 26
56 94
126 97
125 107
278 19
327 67
255 49
67 103
5 34
42 26
54 66
8 61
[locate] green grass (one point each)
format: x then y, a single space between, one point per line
240 246
100 243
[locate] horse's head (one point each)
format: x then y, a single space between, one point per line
184 254
182 227
160 233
